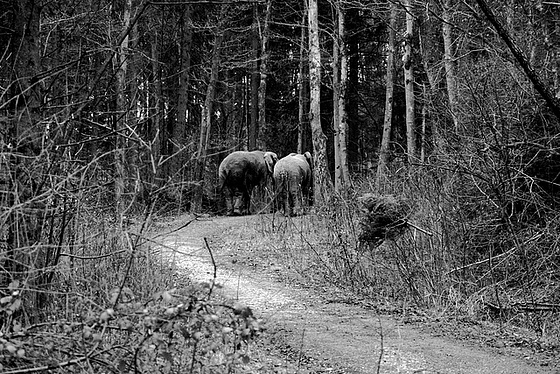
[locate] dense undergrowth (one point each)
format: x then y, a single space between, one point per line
93 294
466 254
115 304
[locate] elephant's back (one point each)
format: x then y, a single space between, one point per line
242 166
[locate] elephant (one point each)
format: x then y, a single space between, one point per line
293 182
239 173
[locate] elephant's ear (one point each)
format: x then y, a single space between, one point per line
270 158
309 159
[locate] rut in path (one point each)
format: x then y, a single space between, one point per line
352 339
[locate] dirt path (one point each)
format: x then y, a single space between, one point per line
311 333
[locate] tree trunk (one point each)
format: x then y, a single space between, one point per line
389 88
121 64
449 63
255 81
335 95
180 127
21 141
340 79
353 103
321 179
206 121
156 112
432 56
423 142
303 91
263 69
409 83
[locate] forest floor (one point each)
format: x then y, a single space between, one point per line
314 328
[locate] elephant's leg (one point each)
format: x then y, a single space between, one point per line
246 201
297 196
229 201
238 203
288 201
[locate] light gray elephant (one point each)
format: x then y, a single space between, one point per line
239 173
293 182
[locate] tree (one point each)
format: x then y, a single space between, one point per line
255 82
389 84
449 62
180 128
340 78
20 139
265 55
321 179
206 119
408 67
121 66
303 86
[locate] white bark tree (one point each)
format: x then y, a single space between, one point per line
408 66
121 66
340 79
264 32
449 62
389 89
321 179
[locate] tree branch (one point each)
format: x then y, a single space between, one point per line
545 92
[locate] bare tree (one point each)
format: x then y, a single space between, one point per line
180 127
321 178
303 86
206 118
121 66
264 35
546 93
255 81
340 79
408 66
449 61
389 88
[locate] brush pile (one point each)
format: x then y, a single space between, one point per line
384 218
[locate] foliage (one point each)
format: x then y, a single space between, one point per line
174 331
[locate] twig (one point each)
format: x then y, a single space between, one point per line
301 349
420 229
92 257
494 257
59 365
215 275
47 367
381 347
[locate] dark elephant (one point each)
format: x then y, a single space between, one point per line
239 173
293 182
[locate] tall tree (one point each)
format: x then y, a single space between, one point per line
180 128
264 33
389 89
21 141
303 86
121 66
321 179
255 81
340 78
449 61
206 118
408 66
